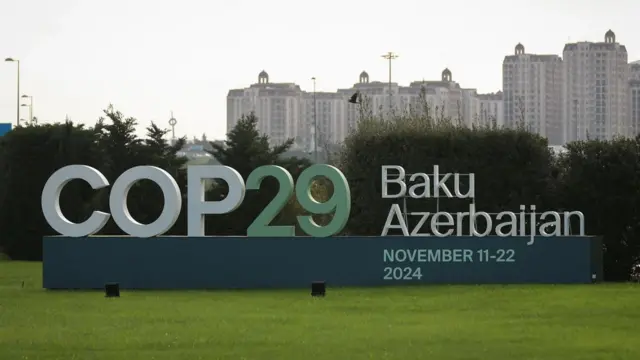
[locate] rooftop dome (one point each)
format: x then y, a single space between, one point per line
446 75
263 77
610 37
364 77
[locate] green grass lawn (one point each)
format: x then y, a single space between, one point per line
434 322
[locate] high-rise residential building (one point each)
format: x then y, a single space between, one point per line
634 70
378 95
285 111
634 97
596 90
532 93
277 106
445 97
330 113
490 109
442 98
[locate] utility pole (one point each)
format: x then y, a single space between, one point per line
18 88
315 123
390 56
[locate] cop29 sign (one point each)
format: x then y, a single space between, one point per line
271 257
339 204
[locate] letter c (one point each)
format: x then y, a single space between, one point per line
50 201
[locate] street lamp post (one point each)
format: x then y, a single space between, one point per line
30 105
315 123
390 56
18 89
172 123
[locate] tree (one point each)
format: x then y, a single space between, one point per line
30 154
122 150
601 179
245 150
158 152
28 157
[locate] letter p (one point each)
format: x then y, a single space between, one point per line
198 207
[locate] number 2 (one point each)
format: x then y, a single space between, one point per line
508 253
339 203
260 225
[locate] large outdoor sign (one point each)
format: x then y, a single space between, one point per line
339 204
511 248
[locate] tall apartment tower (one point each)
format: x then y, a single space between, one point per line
596 90
634 97
491 109
285 112
377 95
532 93
277 106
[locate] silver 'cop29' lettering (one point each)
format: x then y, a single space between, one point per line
339 203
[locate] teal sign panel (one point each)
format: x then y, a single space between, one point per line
250 263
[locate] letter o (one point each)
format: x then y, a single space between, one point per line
50 201
170 192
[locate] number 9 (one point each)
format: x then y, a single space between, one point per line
339 203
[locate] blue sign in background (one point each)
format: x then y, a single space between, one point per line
242 262
4 128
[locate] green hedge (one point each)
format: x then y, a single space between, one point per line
511 167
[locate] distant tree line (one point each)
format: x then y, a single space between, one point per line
512 167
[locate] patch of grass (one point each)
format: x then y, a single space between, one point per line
432 322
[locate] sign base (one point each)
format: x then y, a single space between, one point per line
250 263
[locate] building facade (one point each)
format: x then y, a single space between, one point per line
277 107
490 109
532 93
285 111
634 97
596 90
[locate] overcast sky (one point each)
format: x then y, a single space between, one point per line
148 58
